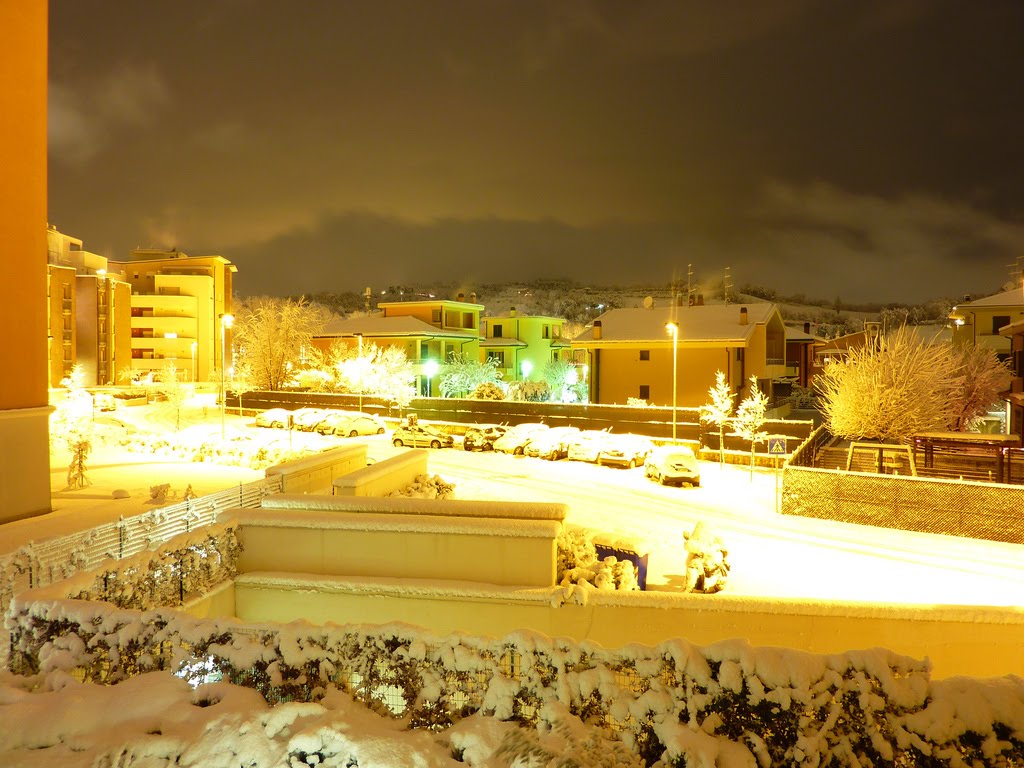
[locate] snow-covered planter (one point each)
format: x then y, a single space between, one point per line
579 568
674 704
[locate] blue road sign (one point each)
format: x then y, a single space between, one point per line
776 446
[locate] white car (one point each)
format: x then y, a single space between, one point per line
673 464
306 419
515 439
625 451
551 444
587 445
273 417
360 424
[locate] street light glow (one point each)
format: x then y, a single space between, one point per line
226 321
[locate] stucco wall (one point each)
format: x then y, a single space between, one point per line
978 642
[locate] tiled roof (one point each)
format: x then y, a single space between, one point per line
706 323
502 342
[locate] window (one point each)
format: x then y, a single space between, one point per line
998 322
497 331
645 354
435 315
547 331
498 357
645 391
739 354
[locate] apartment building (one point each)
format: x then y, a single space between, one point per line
522 345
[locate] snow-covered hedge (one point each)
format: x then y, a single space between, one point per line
672 704
426 487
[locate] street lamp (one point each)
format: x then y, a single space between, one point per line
429 368
527 367
226 321
673 329
195 346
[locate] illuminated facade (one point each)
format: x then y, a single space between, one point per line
629 352
523 345
979 322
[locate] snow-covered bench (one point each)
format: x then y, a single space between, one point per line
314 474
384 476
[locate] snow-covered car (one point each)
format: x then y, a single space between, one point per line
515 439
673 465
586 446
482 437
273 417
361 424
551 444
625 451
306 419
416 436
331 421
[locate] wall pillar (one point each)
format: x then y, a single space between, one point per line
24 409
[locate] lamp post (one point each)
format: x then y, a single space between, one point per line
527 368
195 346
673 329
430 368
226 321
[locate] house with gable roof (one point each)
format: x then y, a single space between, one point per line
629 352
522 345
429 331
980 321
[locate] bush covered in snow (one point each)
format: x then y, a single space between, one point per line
579 566
674 704
427 487
487 390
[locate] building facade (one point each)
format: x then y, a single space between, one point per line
523 345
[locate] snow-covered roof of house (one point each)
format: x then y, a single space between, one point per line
1012 298
502 342
380 326
798 334
706 323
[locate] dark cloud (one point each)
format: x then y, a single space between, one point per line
865 148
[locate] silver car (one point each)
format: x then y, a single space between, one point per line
416 436
673 465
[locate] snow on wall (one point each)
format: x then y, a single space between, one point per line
411 506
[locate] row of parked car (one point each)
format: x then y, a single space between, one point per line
667 464
326 421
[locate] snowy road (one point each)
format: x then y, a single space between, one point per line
771 555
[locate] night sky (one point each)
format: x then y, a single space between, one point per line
845 148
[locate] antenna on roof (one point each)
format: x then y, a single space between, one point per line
727 284
690 290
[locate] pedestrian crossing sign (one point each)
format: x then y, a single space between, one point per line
776 446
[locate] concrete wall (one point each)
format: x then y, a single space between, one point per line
316 474
493 551
980 642
383 477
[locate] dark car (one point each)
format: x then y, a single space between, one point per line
481 438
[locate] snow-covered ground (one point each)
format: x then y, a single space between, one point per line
157 720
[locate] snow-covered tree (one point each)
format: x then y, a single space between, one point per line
380 371
489 390
271 333
462 374
751 416
891 391
559 375
978 379
719 410
175 392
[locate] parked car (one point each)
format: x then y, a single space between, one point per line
586 446
625 451
273 417
306 419
361 424
673 465
482 437
416 436
515 439
332 419
551 444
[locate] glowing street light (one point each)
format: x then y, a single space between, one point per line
226 321
673 329
526 367
195 346
430 370
359 370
